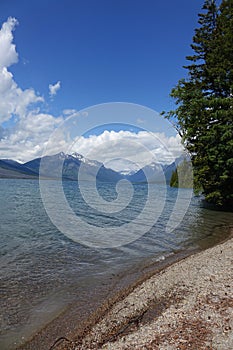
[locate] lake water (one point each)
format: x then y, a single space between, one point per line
43 270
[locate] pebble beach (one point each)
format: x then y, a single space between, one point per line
188 305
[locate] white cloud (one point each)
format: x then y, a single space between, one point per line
128 149
30 136
53 89
71 113
13 100
29 132
30 129
8 54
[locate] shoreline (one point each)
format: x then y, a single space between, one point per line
66 324
58 332
187 305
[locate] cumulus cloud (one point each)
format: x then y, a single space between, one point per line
13 100
125 149
30 128
30 136
53 89
8 54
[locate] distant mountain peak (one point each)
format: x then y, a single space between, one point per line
127 172
77 156
62 154
91 169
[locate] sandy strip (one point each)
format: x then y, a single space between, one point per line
189 305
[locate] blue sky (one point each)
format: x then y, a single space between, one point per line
100 51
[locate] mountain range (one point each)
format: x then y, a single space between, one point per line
50 167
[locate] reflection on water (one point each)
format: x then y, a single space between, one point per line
42 270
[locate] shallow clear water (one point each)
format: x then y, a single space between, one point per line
42 270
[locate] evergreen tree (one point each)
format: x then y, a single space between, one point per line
182 176
204 112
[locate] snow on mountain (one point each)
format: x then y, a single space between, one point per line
127 172
67 166
91 169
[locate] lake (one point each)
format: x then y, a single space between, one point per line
44 270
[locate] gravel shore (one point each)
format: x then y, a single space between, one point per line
186 306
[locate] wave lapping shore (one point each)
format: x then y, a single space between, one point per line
186 306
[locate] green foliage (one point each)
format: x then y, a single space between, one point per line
174 179
182 176
204 100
